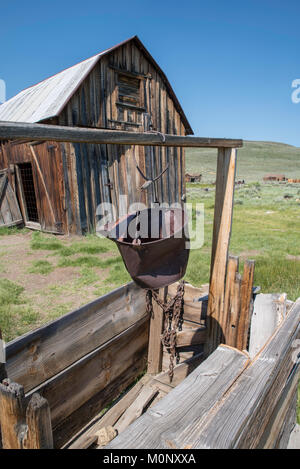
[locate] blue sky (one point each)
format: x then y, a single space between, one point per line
231 63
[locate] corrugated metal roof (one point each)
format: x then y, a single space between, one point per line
47 98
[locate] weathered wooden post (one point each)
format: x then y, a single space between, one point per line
216 319
24 426
3 373
12 410
232 300
245 313
238 303
38 419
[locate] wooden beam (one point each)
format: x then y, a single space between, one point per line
225 403
155 348
193 336
241 419
216 320
181 371
37 356
136 408
94 381
73 424
279 419
172 418
42 132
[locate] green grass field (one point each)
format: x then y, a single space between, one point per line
266 228
255 160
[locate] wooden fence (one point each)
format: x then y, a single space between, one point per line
229 401
79 363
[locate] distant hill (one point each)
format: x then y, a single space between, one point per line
255 160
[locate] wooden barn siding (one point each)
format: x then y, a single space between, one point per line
50 162
97 166
71 198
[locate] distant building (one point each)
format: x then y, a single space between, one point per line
193 177
274 177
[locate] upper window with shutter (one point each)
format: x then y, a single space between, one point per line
129 90
128 101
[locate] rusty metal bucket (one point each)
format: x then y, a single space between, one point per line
153 244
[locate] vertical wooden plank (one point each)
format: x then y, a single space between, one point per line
155 348
232 300
12 410
246 296
221 237
38 419
3 373
264 321
38 168
231 337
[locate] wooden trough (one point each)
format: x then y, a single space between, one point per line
75 382
71 373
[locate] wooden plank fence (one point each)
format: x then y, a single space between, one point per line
89 355
229 401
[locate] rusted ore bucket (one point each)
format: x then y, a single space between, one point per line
153 244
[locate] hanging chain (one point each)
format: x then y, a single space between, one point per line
173 319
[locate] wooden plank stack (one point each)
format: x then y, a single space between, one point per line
229 401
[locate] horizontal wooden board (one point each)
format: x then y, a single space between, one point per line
109 418
185 405
240 420
91 376
191 336
41 354
226 402
195 302
286 405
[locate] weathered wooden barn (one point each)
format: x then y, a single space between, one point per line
60 185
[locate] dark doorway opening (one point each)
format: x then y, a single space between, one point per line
29 192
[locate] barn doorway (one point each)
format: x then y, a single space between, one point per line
28 192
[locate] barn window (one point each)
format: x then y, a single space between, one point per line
129 101
129 90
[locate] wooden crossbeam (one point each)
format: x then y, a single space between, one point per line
42 132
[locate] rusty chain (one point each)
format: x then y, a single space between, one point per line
173 318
